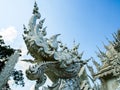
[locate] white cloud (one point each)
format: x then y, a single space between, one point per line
8 34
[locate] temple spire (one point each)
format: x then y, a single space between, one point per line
97 65
102 53
105 46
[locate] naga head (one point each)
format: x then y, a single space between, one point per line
60 61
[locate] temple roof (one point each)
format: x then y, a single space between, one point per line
104 72
110 59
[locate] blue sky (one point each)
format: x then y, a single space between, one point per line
87 22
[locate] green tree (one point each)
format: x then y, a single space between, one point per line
8 59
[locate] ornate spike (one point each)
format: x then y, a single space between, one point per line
35 10
45 28
43 20
109 41
99 49
118 34
74 43
77 46
25 29
97 65
44 31
41 23
80 55
90 69
102 53
106 47
114 36
98 55
35 4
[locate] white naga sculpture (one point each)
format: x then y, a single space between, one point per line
63 66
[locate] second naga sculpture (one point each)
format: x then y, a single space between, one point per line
51 58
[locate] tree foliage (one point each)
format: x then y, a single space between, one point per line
5 52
